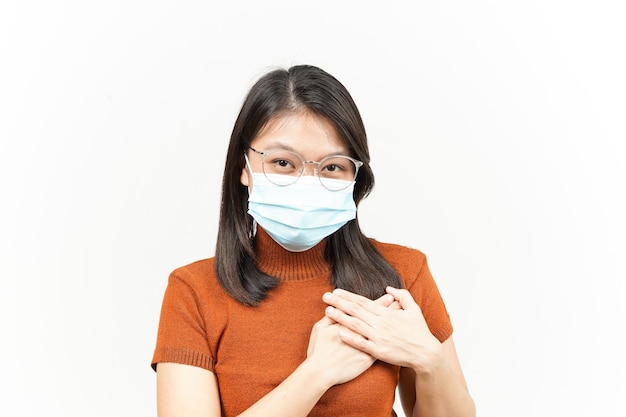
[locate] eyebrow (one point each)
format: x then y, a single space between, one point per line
280 145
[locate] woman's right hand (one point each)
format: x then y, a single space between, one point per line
340 362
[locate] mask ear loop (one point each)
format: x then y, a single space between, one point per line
245 156
252 232
250 171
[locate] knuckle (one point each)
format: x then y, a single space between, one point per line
352 308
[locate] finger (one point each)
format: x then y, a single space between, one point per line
354 304
353 323
356 341
325 321
385 300
347 333
388 301
357 308
404 298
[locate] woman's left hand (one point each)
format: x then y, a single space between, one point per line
397 334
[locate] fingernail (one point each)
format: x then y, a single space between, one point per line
326 296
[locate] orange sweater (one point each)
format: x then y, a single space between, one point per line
253 349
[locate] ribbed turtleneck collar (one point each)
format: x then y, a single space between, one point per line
278 262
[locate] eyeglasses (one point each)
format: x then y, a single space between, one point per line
283 167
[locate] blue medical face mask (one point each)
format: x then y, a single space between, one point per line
300 215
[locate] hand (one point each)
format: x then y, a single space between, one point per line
342 361
399 336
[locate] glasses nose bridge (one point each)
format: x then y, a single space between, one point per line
315 167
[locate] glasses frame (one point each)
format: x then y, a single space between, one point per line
357 164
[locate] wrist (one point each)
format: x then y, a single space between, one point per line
431 362
320 380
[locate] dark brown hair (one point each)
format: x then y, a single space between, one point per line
356 264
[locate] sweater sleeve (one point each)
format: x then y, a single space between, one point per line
182 335
426 294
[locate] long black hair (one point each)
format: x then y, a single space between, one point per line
356 265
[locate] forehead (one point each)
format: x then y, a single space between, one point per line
304 132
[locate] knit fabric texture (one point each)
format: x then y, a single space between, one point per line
253 349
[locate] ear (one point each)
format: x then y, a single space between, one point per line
245 177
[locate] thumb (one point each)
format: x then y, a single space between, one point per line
326 321
404 298
385 300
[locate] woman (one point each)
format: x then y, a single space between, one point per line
298 313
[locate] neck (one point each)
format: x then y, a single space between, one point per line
277 261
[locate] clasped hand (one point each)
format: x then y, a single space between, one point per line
339 361
356 331
391 329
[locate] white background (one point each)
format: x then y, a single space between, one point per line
497 137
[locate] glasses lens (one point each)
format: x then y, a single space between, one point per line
335 170
282 167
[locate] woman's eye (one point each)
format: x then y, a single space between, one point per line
334 168
282 164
